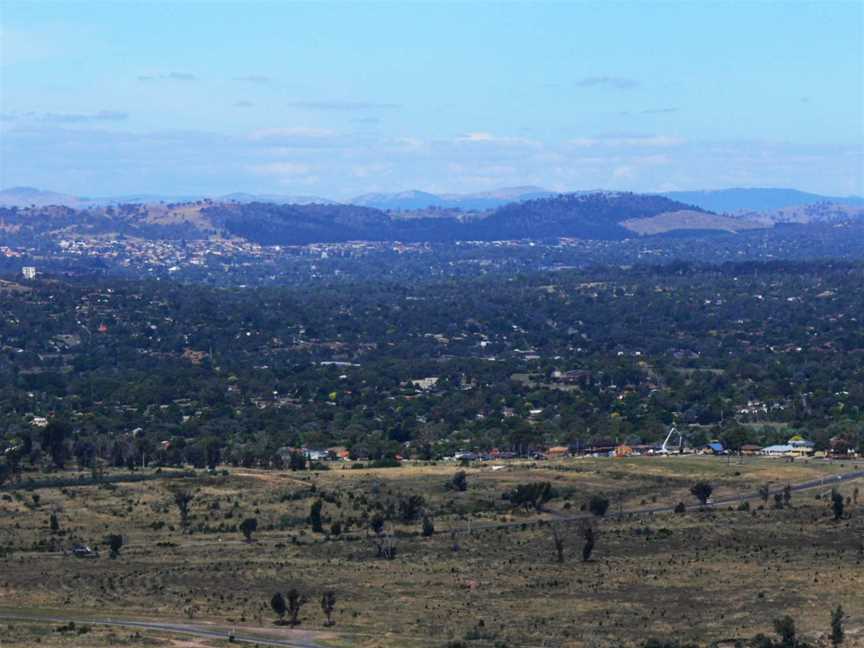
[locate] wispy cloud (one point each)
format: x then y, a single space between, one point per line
627 141
252 78
617 83
280 133
66 118
659 111
299 138
338 105
169 76
483 137
282 168
243 104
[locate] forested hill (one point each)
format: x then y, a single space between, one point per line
592 216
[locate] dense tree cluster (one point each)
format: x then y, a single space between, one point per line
155 373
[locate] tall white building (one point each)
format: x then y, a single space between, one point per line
29 272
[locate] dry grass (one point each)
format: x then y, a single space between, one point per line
697 576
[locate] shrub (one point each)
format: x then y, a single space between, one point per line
459 482
428 526
248 527
315 516
837 504
702 491
598 505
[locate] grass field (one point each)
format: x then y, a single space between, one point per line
487 577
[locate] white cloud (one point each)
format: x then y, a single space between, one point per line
282 133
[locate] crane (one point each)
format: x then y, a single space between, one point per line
664 449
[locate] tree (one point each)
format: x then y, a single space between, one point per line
702 491
459 481
838 617
785 627
535 495
787 494
55 523
590 537
115 543
315 516
598 505
297 461
410 508
328 604
382 539
837 504
558 540
248 527
295 602
680 508
428 526
182 498
54 437
279 607
765 493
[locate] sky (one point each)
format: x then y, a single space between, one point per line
340 99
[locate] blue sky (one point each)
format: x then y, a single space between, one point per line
337 99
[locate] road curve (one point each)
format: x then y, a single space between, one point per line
176 628
828 481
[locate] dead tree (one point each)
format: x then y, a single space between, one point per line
558 539
384 542
328 604
182 498
590 536
295 602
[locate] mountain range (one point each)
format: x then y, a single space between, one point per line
719 201
598 216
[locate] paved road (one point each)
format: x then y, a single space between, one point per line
176 628
829 481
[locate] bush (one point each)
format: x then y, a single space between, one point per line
315 516
428 526
535 495
702 491
598 505
837 504
459 482
385 462
680 508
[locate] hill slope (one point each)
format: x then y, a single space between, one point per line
599 216
767 199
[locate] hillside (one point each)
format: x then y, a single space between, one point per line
756 199
688 221
599 216
592 216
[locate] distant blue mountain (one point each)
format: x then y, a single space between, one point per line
768 199
473 201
